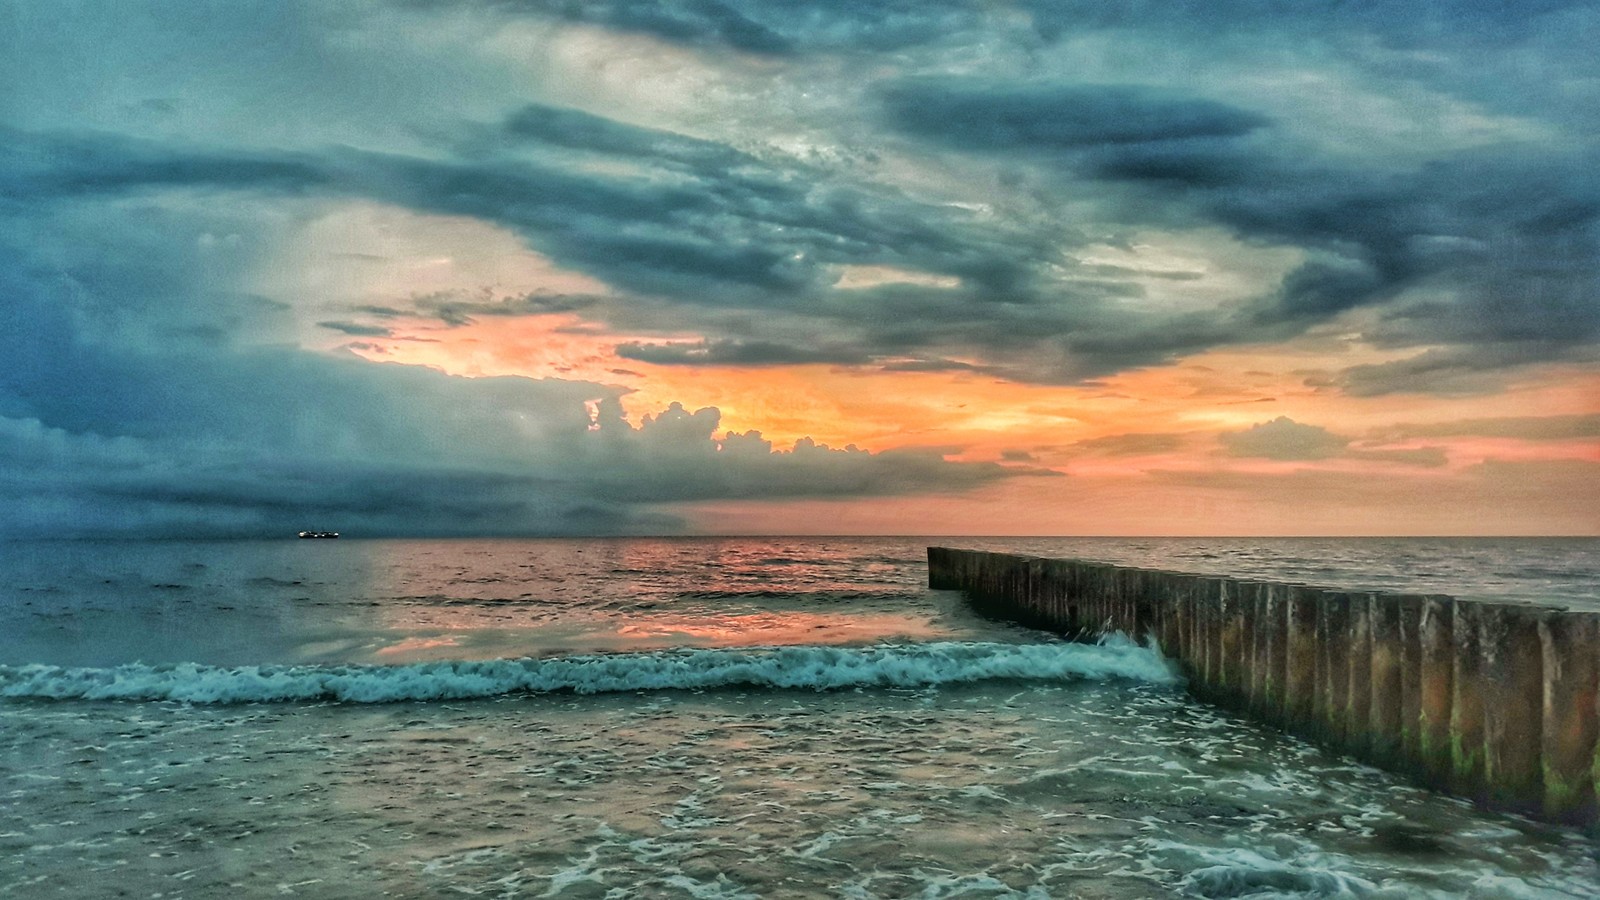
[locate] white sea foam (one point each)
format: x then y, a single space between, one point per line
1241 872
815 667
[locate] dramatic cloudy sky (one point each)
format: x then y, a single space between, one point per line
913 266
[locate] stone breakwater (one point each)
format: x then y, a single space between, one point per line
1498 703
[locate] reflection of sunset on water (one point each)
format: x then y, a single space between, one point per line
428 601
771 629
418 647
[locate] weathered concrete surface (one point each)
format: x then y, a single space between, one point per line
1571 692
1300 652
1466 705
1437 688
1384 715
1513 701
1333 669
1410 620
1358 675
1498 703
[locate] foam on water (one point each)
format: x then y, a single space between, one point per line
814 667
860 760
1240 872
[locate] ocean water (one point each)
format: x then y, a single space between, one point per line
714 718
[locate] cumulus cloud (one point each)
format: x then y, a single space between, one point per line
1284 439
239 448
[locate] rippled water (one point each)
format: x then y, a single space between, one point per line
642 738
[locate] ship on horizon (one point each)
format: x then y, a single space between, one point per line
319 534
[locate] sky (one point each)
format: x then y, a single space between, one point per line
1219 267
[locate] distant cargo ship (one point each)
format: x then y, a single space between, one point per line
319 534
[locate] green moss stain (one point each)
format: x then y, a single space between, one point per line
1562 795
1466 762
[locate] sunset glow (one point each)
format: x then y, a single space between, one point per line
954 269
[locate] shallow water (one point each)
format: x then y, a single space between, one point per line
901 747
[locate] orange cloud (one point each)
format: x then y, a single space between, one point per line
1145 447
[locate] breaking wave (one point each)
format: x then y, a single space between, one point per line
804 667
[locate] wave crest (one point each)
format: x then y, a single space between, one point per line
814 667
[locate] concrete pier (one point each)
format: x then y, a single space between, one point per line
1499 703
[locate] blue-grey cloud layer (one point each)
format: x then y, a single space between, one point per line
142 395
142 360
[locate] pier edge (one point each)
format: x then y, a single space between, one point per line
1495 702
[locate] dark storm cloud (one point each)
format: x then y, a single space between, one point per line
455 309
731 231
105 429
753 235
1500 242
99 439
991 116
1029 335
46 167
1447 22
1525 428
735 353
778 28
748 236
574 129
150 174
356 329
235 445
638 234
692 22
762 27
1486 248
1459 371
84 485
1501 237
701 222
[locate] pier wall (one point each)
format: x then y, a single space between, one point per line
1499 703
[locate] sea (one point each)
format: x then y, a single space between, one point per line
692 717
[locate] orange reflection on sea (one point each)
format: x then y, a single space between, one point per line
418 646
776 628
